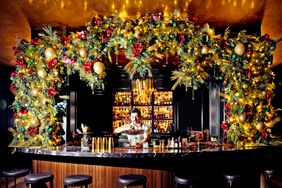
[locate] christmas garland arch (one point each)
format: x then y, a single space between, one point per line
241 62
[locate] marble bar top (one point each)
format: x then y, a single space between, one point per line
194 149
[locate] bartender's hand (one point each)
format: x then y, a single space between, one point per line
138 145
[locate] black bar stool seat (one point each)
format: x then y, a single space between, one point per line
132 180
231 179
77 180
39 178
14 173
184 179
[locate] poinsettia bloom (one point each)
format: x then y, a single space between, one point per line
96 21
15 115
181 38
87 66
52 63
13 88
24 111
225 126
66 60
156 17
32 130
227 107
64 40
82 35
52 92
21 62
20 74
175 61
264 134
30 71
35 41
248 73
13 74
138 47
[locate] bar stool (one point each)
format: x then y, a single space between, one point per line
39 179
132 180
231 179
183 179
268 176
77 180
14 173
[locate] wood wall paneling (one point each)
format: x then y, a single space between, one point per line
103 176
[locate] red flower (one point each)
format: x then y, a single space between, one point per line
195 18
24 111
30 71
248 73
264 134
225 126
13 88
13 74
32 130
175 61
21 63
64 40
20 74
96 21
35 41
52 63
181 38
15 115
138 47
87 66
52 92
227 107
82 35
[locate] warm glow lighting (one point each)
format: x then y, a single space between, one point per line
30 1
143 88
223 2
234 3
126 2
252 5
166 12
113 6
243 2
123 14
175 2
85 5
62 4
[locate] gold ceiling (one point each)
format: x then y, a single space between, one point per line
19 17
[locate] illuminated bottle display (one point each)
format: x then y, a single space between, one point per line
156 109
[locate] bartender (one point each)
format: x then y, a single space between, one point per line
137 133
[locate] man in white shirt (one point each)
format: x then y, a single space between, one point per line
137 133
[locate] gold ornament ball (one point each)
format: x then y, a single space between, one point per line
82 52
99 67
50 54
239 49
34 121
41 73
205 50
242 118
34 92
260 126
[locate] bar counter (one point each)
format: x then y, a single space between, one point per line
208 161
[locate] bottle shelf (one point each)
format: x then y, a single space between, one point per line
156 109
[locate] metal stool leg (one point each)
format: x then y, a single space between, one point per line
7 179
15 182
